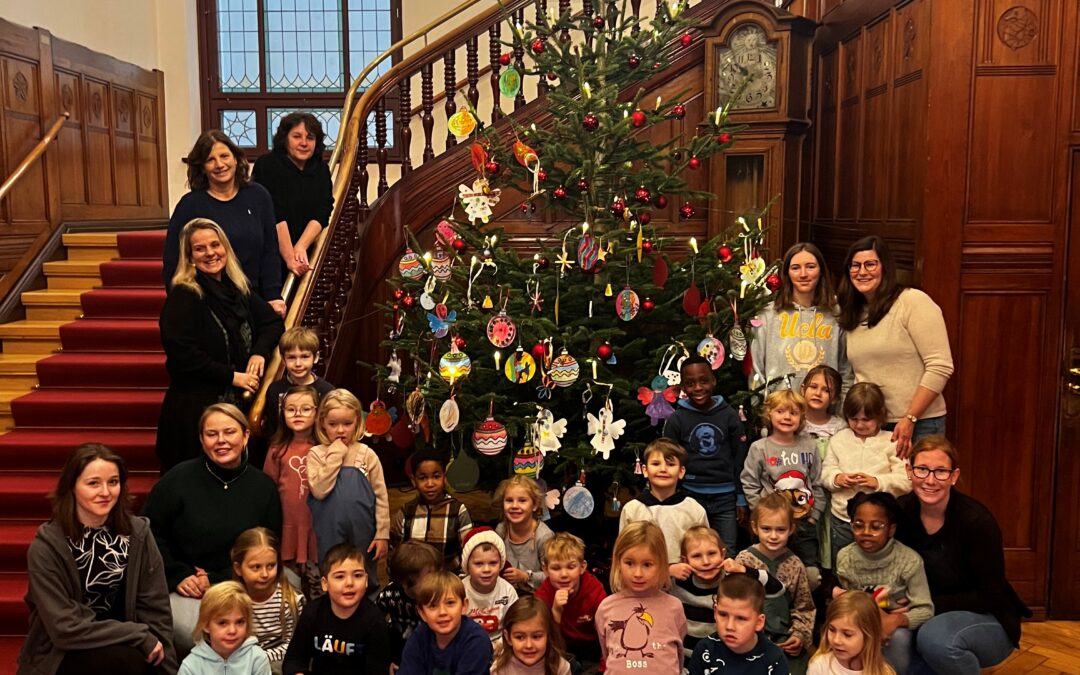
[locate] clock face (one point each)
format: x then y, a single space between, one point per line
746 70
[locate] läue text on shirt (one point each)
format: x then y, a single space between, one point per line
328 644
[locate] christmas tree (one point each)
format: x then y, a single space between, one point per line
567 360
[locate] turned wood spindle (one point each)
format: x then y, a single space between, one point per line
404 130
494 51
472 69
519 59
427 101
450 83
380 144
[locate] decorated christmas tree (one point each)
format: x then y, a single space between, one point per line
565 362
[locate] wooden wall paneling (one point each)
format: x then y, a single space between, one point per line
825 140
98 141
27 202
69 144
909 51
877 123
145 113
125 156
1018 32
849 140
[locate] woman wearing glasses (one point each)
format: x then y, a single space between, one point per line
977 621
896 338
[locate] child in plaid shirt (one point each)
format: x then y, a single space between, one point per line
434 517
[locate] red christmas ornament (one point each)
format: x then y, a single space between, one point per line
647 246
686 39
538 46
660 201
648 305
679 111
552 76
524 207
590 121
618 207
693 163
408 301
637 118
598 23
459 342
642 194
459 244
504 59
604 351
582 184
541 175
772 282
559 192
398 294
543 262
723 138
724 253
539 351
492 167
633 61
644 218
686 211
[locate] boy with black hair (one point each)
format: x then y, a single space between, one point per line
433 517
715 441
738 646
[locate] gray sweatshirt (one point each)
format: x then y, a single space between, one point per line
794 470
790 342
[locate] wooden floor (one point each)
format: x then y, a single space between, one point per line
1046 647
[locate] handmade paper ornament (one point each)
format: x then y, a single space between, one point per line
712 350
449 415
736 337
671 364
454 365
411 265
440 320
394 368
752 270
445 232
461 123
501 330
378 420
564 369
462 472
520 366
402 434
510 82
487 305
627 304
441 264
427 300
547 431
657 399
489 437
605 429
528 461
415 407
478 200
588 252
577 501
660 272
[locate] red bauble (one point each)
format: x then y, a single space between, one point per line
459 342
660 201
398 294
492 167
648 305
772 282
644 218
647 246
642 194
686 211
559 192
541 175
582 184
723 138
590 121
633 61
618 206
604 351
552 76
637 118
598 23
543 262
524 207
538 46
679 111
724 253
539 351
458 244
408 301
693 163
686 39
504 59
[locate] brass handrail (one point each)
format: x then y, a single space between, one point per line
37 151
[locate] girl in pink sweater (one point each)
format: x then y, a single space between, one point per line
640 626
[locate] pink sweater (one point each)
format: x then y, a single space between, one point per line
641 632
290 474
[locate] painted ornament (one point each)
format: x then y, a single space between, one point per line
445 232
440 320
461 123
528 461
478 200
627 304
449 415
712 350
501 330
510 82
657 399
410 265
564 370
577 501
463 473
489 437
737 342
520 367
378 420
547 431
588 252
604 429
441 264
454 365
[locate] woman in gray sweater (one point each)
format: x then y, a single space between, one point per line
97 595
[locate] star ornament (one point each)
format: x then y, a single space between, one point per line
564 261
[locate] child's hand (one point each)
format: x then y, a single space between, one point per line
742 517
866 480
562 596
844 480
191 587
515 576
732 567
681 571
791 646
378 548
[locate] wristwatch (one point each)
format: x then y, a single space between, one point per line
912 419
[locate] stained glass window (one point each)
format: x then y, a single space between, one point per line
239 125
303 46
238 45
369 36
330 118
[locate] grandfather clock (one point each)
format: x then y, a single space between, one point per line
757 58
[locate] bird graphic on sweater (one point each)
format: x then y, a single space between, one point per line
635 632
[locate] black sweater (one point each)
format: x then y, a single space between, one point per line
300 195
965 561
325 644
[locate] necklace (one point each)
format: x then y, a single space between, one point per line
225 483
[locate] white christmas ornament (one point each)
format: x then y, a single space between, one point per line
478 200
604 429
547 431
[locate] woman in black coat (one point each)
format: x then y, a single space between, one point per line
217 336
299 182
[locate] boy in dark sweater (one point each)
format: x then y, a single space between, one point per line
341 632
738 646
715 440
446 644
299 349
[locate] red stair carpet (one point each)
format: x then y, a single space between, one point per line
106 386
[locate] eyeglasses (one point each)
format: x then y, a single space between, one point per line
925 471
869 265
874 526
305 411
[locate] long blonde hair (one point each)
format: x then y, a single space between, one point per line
257 538
863 612
641 533
185 266
339 398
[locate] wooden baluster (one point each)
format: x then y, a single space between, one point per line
427 99
519 59
362 162
472 69
564 7
380 143
635 7
494 51
587 10
541 34
450 82
405 132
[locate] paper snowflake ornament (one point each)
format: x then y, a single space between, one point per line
547 431
604 429
478 200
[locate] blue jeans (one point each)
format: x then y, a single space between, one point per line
962 643
841 536
926 427
720 510
898 649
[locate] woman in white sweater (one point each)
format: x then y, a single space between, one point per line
896 337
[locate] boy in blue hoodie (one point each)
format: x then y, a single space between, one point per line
715 441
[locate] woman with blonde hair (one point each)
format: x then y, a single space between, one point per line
217 336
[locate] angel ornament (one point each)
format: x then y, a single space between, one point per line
547 431
657 399
604 429
394 366
478 200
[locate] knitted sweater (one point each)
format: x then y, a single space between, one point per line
787 343
641 631
674 515
907 349
794 613
794 470
896 568
875 456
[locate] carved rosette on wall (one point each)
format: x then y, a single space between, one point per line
124 109
95 106
67 97
910 33
147 119
21 86
879 55
1017 27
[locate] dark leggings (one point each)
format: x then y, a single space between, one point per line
114 659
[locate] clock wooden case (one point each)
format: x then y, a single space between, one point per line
758 58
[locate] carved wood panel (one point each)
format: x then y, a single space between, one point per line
1017 32
69 145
